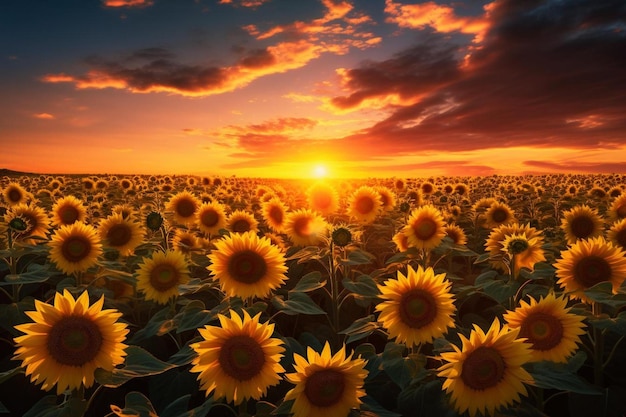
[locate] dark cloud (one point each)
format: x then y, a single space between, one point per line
546 73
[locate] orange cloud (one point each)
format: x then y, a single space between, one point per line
244 3
127 3
440 17
43 116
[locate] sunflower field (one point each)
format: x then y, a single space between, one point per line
173 296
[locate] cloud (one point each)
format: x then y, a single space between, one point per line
158 70
545 74
440 17
582 167
127 3
244 3
44 116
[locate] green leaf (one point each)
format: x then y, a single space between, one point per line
603 293
3 409
284 408
298 303
370 404
137 404
482 258
4 376
192 316
363 286
309 282
159 324
138 363
357 257
179 408
562 376
47 407
400 369
616 325
35 273
183 357
360 329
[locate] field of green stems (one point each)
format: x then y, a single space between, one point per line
172 296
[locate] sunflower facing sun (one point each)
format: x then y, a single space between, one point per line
159 276
68 341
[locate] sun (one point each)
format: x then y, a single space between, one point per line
320 171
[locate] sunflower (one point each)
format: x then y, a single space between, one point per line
323 198
247 265
522 251
581 222
425 227
68 210
75 247
365 204
526 247
68 341
183 206
589 262
325 384
305 227
126 210
159 276
35 217
486 373
418 307
456 233
14 194
498 214
88 184
274 213
552 331
401 241
427 188
211 218
239 359
617 211
387 198
121 233
241 221
185 241
617 234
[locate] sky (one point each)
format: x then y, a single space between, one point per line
286 88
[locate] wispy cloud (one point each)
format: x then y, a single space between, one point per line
44 116
127 3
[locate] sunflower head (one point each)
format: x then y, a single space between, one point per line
160 275
589 262
241 221
323 198
239 359
581 222
341 236
247 265
75 247
68 341
326 384
425 227
548 326
183 206
365 204
211 217
305 227
486 373
418 307
154 220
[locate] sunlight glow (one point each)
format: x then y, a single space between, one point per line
320 171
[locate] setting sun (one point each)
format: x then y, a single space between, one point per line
320 171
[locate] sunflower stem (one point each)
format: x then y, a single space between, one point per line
598 347
334 293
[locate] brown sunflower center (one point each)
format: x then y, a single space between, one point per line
185 208
322 200
582 226
620 238
425 228
543 330
621 211
68 214
209 218
241 226
302 227
591 270
119 235
364 205
74 340
454 235
241 357
517 246
483 368
164 276
76 248
499 215
276 214
247 267
418 308
324 388
14 195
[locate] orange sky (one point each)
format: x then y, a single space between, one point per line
275 88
